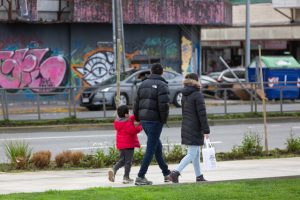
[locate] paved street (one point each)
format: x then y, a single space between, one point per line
225 136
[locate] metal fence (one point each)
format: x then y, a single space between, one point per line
64 102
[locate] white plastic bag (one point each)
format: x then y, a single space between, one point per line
208 155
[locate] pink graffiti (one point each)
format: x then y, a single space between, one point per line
31 68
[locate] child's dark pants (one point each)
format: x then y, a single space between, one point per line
126 157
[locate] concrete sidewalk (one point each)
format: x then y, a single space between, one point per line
82 179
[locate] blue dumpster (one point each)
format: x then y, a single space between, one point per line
281 75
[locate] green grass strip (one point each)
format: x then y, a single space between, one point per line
268 189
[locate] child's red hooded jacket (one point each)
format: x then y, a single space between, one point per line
127 133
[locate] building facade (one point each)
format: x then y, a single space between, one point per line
45 44
274 26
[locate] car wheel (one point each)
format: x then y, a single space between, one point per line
123 100
177 99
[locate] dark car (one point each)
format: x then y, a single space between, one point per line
95 96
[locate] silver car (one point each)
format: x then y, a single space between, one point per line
94 97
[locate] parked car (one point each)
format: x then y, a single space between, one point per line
228 81
94 97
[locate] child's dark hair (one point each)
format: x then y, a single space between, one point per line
192 76
157 69
122 110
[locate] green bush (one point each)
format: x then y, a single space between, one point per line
236 153
176 154
18 152
88 161
138 156
251 145
113 156
293 144
99 158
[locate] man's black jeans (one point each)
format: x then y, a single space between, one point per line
154 147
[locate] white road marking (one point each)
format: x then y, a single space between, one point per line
217 142
58 137
296 127
261 126
86 148
106 146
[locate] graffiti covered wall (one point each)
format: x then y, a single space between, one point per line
42 58
33 68
92 62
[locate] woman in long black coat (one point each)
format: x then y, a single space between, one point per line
194 126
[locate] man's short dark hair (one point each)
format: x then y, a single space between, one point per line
122 110
192 76
157 69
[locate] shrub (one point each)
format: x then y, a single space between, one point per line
293 144
100 158
63 158
18 153
60 160
176 154
76 157
236 153
251 145
87 161
41 159
112 157
138 156
67 156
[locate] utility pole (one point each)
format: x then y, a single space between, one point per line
247 50
118 41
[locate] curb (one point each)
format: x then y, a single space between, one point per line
109 126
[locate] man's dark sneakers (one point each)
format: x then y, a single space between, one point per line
200 178
174 176
142 181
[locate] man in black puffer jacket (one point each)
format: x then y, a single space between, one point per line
152 109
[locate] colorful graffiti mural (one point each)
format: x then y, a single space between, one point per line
33 68
97 65
153 47
186 55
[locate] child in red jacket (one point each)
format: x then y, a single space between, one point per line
126 140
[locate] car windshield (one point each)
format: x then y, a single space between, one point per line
113 79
